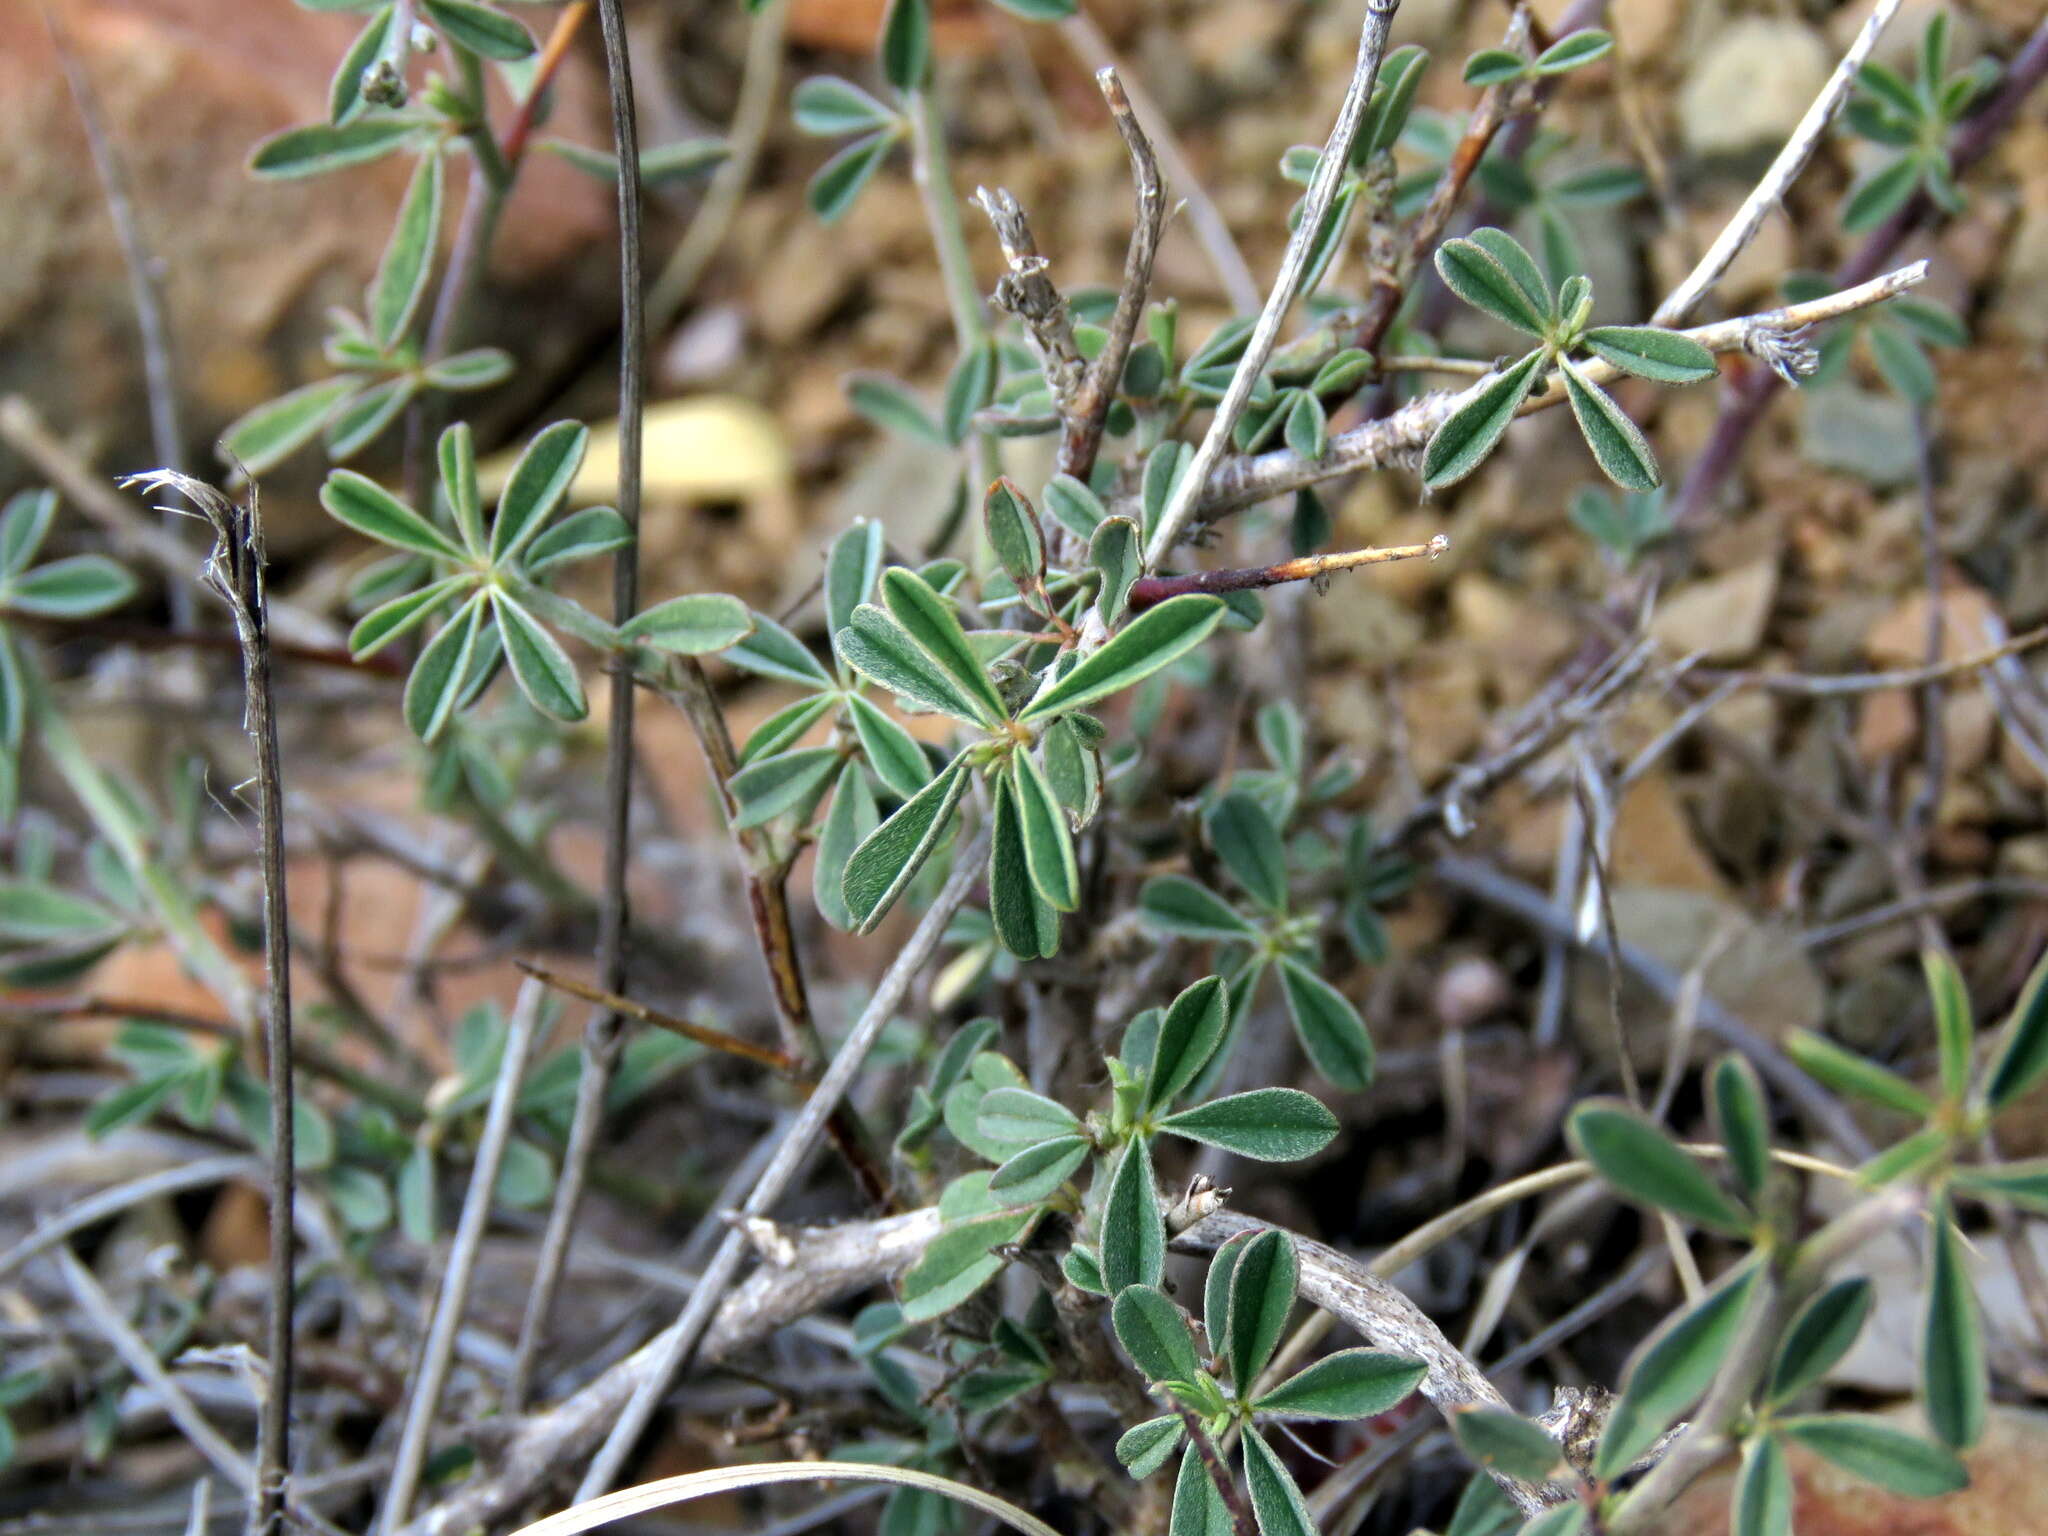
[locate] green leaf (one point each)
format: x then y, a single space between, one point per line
24 524
359 422
1074 505
1177 905
536 486
696 624
1492 66
1307 433
1672 1373
1084 1270
1250 846
481 30
1036 1174
1880 1453
75 587
360 1198
1198 1509
929 621
1933 323
1648 352
957 1263
130 1104
455 455
1880 194
1277 1503
882 651
416 1215
906 44
439 676
32 912
1154 639
851 570
539 664
1133 1237
1329 1028
1143 1448
404 613
1154 1334
1743 1122
1013 534
1857 1076
360 503
1350 1384
1272 1125
893 408
1499 1440
1918 1151
1955 1026
890 750
848 823
1482 1510
582 536
883 864
1262 1284
1883 85
968 388
1024 1118
1819 1336
1189 1033
478 368
833 108
1763 1490
1573 51
1496 276
1040 10
2024 1183
345 90
275 430
401 280
1904 363
772 651
840 180
1564 1520
1071 768
1618 444
321 147
1048 845
2023 1058
1113 550
1645 1164
1955 1379
1027 926
771 786
1470 432
1393 97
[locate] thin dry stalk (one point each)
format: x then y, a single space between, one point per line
1315 208
453 1297
603 1034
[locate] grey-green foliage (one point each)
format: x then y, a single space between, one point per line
1492 272
1914 120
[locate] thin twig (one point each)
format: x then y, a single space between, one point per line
142 1363
604 1032
1250 479
682 1336
702 1034
760 78
1315 208
1085 38
452 1299
236 570
159 366
1742 406
134 536
1813 685
1770 191
1150 590
1089 413
1488 884
1389 288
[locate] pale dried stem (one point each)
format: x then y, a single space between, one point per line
1315 207
1769 192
